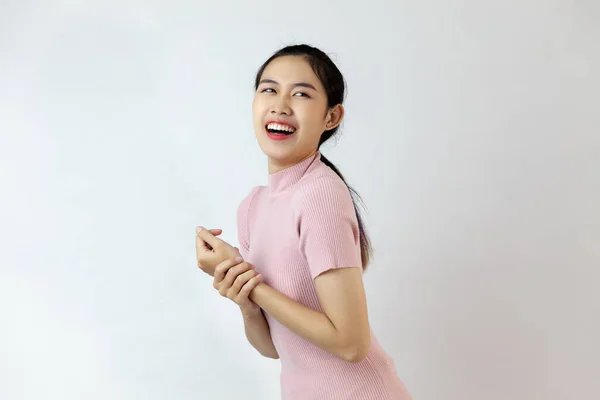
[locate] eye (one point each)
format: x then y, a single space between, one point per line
268 90
301 94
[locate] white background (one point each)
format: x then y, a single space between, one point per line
472 132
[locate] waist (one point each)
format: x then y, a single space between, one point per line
299 356
369 379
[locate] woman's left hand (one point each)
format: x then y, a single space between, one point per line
235 280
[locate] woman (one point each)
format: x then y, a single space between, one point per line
303 248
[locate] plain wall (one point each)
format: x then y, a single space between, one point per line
472 132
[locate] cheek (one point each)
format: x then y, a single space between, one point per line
258 110
314 119
256 103
260 102
258 116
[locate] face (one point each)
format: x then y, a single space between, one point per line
291 112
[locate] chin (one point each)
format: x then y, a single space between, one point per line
283 152
278 153
277 150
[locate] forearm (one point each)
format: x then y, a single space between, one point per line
259 334
309 324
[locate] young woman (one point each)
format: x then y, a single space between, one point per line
297 276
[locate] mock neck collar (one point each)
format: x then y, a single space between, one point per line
281 180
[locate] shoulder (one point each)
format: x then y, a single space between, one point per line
323 190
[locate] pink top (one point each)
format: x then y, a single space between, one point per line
300 225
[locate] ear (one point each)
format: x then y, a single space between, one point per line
334 117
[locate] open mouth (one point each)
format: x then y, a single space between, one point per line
280 129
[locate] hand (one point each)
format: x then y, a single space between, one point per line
235 280
210 250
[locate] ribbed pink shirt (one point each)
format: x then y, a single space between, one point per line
300 225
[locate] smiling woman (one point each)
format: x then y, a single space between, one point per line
303 246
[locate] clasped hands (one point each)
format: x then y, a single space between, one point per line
232 276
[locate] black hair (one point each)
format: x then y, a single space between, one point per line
335 87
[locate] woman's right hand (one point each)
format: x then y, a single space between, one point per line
235 279
210 250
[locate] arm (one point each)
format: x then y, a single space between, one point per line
258 333
235 280
342 329
256 327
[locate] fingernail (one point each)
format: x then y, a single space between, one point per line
239 259
198 229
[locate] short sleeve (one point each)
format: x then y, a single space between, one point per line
243 226
327 226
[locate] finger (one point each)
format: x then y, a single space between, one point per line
248 287
240 281
233 273
230 288
207 237
202 248
223 268
205 246
214 231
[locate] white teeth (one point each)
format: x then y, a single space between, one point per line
281 127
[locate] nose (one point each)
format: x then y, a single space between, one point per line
281 106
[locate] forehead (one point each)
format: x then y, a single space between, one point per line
291 69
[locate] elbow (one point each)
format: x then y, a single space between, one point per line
356 352
273 355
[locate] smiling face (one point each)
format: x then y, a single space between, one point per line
291 111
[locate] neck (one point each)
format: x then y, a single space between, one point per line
279 165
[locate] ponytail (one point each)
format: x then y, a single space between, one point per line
366 250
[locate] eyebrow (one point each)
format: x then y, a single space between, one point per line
298 84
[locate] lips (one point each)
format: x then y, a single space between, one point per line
280 128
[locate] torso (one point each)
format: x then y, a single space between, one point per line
308 372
